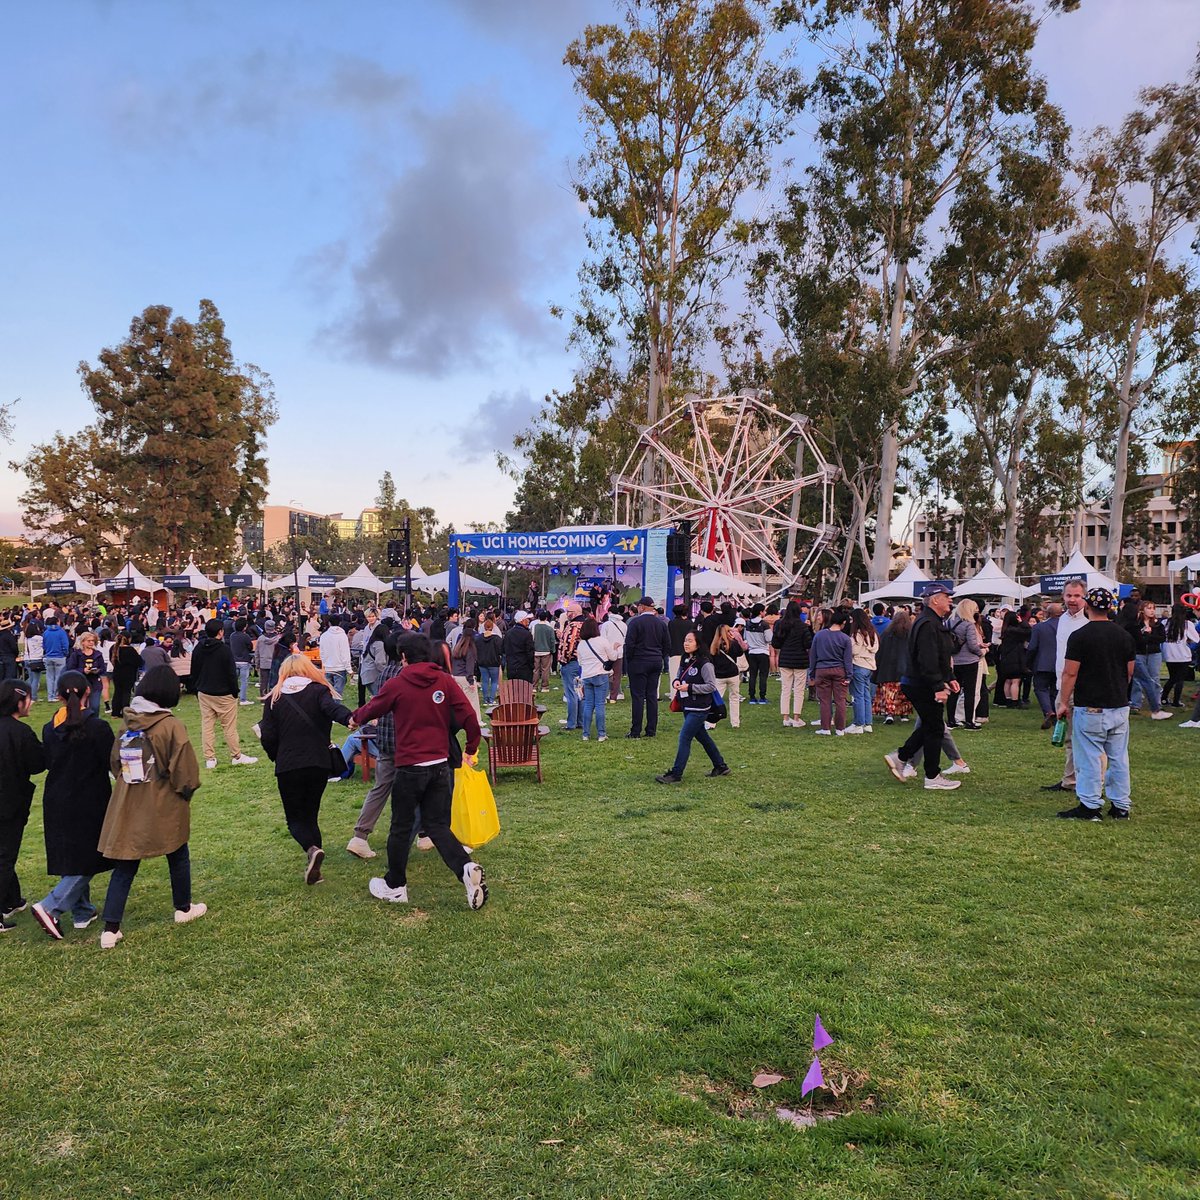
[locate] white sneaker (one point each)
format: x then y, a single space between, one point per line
854 729
910 772
955 769
797 723
244 760
86 921
196 910
602 738
939 783
210 763
477 892
868 729
620 695
897 766
109 940
822 732
842 732
1161 715
379 889
245 703
424 843
788 723
360 848
1189 725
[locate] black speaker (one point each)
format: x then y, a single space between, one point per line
679 550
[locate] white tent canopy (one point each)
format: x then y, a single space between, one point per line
141 583
297 578
200 581
418 575
1191 563
466 583
256 580
78 580
718 583
900 588
1077 564
989 580
365 580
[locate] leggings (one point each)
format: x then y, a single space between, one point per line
1176 678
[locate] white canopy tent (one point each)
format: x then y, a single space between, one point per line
466 583
989 580
139 582
82 586
297 578
418 575
900 588
365 580
256 580
718 583
1191 563
200 581
1077 564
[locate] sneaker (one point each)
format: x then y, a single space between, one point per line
797 723
246 703
1057 787
47 922
211 764
19 907
841 732
824 732
621 696
312 872
1118 814
85 922
853 729
244 760
1080 812
970 725
6 926
1189 724
602 738
379 889
889 720
788 723
667 777
109 940
939 783
717 772
183 916
360 848
868 729
1161 715
585 738
477 893
955 769
910 772
424 843
896 765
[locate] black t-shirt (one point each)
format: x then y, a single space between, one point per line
1103 651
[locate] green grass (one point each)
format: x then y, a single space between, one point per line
1019 993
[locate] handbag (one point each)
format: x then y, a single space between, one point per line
606 663
716 710
337 760
676 704
473 816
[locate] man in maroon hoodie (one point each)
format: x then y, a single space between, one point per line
424 701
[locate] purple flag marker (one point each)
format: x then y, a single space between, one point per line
814 1078
820 1037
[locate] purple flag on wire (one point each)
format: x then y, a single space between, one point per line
820 1037
814 1078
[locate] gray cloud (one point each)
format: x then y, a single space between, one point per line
551 23
494 424
469 238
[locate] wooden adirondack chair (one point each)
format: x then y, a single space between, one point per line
513 739
518 691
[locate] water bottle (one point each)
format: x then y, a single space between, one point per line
1059 736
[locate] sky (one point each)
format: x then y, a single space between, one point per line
377 197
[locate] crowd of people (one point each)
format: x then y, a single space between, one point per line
113 798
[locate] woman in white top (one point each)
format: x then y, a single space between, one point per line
864 643
595 653
614 629
1177 653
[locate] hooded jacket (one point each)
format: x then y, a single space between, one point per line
213 671
145 820
21 756
424 702
295 727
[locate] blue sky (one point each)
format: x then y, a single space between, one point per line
376 196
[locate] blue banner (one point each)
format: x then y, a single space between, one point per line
60 587
177 581
1051 585
585 545
123 584
922 589
239 581
322 581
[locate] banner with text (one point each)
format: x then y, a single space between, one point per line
582 544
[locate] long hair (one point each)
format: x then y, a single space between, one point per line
466 640
1177 625
863 629
722 640
298 664
72 691
901 624
967 609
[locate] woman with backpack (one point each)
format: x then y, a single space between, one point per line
297 719
149 815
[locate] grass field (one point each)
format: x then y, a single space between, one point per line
1013 998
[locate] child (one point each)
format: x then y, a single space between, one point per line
78 745
21 756
156 775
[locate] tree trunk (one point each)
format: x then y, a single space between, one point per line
1126 403
889 457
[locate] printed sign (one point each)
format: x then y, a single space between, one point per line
322 581
922 588
583 544
1051 585
239 581
177 581
124 584
59 587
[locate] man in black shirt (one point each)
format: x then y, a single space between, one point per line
1095 694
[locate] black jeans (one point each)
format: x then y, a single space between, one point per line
179 866
643 687
429 789
760 668
1177 673
11 831
301 791
929 733
967 675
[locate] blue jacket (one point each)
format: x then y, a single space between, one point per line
646 642
55 643
1041 652
831 648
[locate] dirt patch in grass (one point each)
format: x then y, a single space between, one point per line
847 1092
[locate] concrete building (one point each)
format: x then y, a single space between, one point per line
281 521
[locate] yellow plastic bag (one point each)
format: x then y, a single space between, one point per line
473 816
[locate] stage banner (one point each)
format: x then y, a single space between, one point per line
922 587
123 584
1051 585
322 581
655 576
60 587
177 581
239 581
583 544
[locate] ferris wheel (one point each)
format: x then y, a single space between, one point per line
739 470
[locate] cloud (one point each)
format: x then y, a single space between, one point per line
494 424
551 23
464 252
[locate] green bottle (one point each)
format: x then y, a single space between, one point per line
1059 736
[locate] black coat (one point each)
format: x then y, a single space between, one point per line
21 756
518 653
296 727
76 797
792 638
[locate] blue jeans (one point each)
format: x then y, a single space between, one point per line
570 679
243 674
489 677
693 729
71 892
338 680
595 692
35 683
95 696
351 748
179 867
54 668
1147 673
860 692
1096 732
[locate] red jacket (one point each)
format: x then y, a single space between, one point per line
421 700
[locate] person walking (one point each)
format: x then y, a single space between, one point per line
1149 634
928 685
296 724
1177 653
373 656
78 746
1097 673
694 686
385 764
647 646
21 758
149 815
488 644
335 657
864 646
425 706
56 645
216 683
596 653
831 659
792 639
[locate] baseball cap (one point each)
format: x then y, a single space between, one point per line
939 589
1101 599
646 602
522 615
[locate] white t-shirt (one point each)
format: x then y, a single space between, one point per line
1067 625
